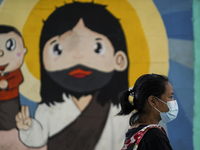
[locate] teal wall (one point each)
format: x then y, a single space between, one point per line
196 25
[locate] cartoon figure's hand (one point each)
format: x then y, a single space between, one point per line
23 119
3 84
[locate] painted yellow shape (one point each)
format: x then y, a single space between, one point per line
136 42
155 33
15 12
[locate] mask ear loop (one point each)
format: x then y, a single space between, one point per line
161 101
157 110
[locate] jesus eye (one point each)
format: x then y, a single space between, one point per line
10 44
98 48
56 49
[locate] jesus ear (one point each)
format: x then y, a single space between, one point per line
121 61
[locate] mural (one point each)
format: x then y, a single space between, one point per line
12 55
80 55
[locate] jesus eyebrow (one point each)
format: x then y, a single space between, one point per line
53 42
98 39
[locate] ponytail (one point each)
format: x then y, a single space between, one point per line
126 106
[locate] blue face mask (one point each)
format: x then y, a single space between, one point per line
171 114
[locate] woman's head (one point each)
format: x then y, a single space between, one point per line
146 85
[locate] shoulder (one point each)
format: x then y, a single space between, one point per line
55 110
156 139
155 134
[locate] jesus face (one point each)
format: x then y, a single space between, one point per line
81 59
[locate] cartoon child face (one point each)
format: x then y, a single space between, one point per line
82 46
12 51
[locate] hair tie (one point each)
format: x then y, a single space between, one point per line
131 100
130 89
131 96
131 92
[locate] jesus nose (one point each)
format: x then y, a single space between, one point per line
78 54
1 53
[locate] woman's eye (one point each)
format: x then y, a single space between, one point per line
98 48
10 44
57 49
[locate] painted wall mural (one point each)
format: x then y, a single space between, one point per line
64 63
12 55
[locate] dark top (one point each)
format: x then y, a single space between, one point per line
154 139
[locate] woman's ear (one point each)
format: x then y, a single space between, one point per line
152 101
121 61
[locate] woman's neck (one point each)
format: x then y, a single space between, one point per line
145 119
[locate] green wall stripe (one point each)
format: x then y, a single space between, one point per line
196 119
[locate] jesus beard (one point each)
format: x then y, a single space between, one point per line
81 86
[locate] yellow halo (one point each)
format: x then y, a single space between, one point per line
137 45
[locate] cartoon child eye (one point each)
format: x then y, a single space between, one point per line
57 49
98 48
11 44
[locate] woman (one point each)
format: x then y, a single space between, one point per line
152 101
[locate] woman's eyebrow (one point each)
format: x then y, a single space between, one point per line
53 42
98 39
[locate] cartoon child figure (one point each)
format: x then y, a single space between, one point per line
84 66
12 52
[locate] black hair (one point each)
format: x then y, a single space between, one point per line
7 28
96 18
145 86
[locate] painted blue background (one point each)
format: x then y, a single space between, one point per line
177 18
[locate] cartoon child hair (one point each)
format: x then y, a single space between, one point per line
6 29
